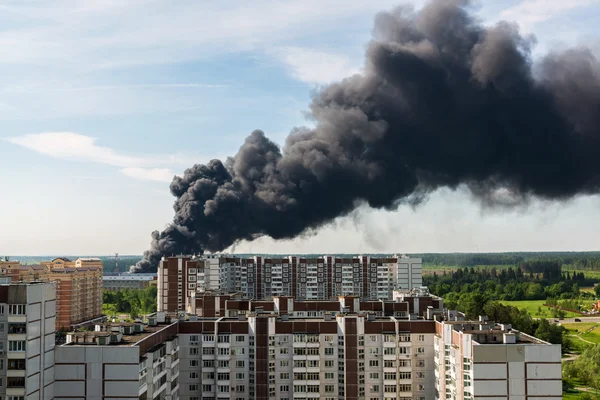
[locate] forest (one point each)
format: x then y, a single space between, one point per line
134 302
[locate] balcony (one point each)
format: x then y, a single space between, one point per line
15 383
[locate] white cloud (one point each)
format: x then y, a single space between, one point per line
531 12
316 67
46 89
73 146
76 147
149 174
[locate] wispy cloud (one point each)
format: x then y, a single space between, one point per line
149 174
316 67
45 89
528 13
76 147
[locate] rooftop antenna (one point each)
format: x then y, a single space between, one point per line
117 263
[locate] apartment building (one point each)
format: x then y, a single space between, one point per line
120 361
413 304
179 277
78 286
27 321
483 360
319 278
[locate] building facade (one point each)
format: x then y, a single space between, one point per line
319 278
127 281
78 286
27 340
119 361
482 360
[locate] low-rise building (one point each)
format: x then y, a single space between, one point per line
127 281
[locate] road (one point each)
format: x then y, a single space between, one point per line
572 320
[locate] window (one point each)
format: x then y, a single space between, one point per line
193 363
193 375
421 363
284 350
223 364
208 338
404 375
240 376
193 388
405 388
329 388
284 363
329 351
373 363
420 350
240 364
207 388
16 309
193 338
374 389
421 338
329 375
16 345
239 338
223 388
284 388
194 351
328 363
373 375
389 388
389 375
223 376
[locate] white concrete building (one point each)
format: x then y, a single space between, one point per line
119 361
27 340
479 360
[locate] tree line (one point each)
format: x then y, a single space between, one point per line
134 302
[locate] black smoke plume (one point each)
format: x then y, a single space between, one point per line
443 101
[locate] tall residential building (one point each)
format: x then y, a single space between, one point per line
78 286
402 350
120 361
357 356
316 278
479 360
27 339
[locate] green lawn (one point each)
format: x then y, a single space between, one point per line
533 307
576 395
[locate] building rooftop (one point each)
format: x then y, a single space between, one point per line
126 339
133 277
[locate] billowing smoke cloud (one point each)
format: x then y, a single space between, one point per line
443 101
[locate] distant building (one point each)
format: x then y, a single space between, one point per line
319 278
78 286
128 281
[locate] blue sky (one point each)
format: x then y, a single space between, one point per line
102 101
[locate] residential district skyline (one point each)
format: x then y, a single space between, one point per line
101 103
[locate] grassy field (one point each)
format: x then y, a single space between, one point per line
576 395
429 269
533 307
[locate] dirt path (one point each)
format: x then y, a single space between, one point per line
582 339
